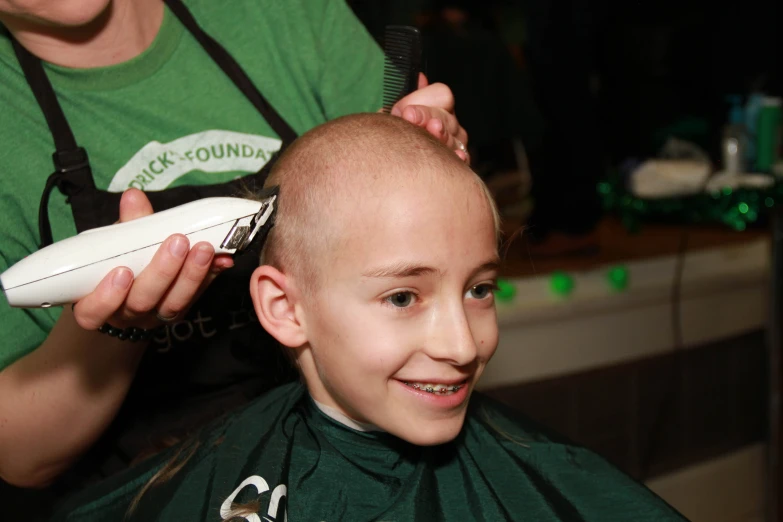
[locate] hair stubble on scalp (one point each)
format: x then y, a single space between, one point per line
333 166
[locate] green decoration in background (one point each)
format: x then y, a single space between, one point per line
561 283
735 208
506 290
618 278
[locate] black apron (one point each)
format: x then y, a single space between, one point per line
215 359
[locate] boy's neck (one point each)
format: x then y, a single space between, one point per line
337 415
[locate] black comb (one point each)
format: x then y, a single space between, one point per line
402 47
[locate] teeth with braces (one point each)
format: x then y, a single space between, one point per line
434 388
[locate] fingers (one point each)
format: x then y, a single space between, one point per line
442 125
133 205
96 308
432 107
423 82
154 281
172 282
189 282
167 287
463 155
450 133
436 95
219 264
438 122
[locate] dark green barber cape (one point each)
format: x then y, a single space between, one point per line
297 464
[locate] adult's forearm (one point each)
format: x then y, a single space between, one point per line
58 400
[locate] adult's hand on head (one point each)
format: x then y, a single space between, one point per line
432 107
165 289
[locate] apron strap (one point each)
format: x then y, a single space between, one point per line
44 93
72 167
234 71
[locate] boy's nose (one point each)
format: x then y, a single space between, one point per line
451 338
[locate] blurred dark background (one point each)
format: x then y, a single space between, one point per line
585 84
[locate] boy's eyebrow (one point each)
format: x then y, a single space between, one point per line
400 270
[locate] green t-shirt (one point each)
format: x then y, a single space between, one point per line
171 117
284 453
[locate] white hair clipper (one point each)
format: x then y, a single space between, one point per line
68 270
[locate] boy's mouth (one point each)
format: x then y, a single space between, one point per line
439 389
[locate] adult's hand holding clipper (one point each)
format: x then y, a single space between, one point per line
165 289
80 376
97 266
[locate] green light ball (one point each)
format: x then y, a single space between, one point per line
561 283
506 291
618 277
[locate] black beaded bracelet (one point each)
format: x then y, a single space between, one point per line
131 333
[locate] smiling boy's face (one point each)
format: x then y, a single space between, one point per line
403 320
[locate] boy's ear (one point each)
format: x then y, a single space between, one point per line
275 305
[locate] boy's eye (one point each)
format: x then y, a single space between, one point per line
401 299
480 291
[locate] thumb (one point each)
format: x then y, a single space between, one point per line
133 205
423 82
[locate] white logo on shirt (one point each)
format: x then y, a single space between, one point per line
157 165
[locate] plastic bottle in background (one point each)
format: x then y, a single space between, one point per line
735 138
752 108
768 134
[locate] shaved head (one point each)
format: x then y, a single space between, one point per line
331 175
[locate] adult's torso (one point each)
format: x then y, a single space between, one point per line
171 118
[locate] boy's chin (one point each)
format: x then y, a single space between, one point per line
432 433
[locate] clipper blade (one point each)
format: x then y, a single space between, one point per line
262 222
242 235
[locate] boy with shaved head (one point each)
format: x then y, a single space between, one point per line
377 278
